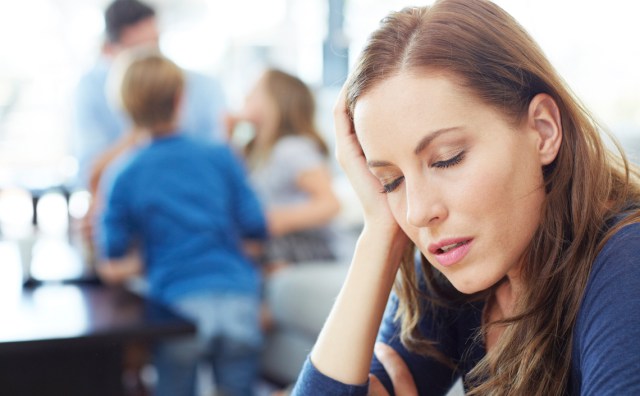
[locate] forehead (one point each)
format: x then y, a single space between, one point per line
413 101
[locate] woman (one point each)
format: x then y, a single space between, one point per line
289 170
465 145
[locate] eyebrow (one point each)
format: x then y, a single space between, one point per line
422 144
426 141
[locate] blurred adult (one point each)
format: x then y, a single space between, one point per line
99 122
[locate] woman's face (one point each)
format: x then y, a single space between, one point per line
465 185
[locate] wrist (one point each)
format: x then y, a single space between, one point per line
345 346
389 239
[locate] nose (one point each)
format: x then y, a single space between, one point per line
425 205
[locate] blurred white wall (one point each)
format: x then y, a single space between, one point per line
46 44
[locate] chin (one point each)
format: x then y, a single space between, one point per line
468 288
469 284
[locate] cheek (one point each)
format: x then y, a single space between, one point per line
512 196
501 177
496 197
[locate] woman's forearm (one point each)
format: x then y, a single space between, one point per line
344 347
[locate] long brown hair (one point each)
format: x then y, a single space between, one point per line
491 55
296 106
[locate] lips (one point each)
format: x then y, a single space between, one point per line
450 251
447 248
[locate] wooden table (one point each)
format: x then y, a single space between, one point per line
68 339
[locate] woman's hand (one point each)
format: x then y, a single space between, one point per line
352 160
403 384
344 347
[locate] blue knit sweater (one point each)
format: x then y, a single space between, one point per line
188 206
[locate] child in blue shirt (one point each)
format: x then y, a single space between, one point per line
184 208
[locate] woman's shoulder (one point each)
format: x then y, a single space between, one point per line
613 286
620 254
606 347
617 265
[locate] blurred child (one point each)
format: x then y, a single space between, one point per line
186 207
289 170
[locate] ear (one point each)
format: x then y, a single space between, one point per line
543 119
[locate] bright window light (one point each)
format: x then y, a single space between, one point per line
53 213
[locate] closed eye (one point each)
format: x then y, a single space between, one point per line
450 162
390 187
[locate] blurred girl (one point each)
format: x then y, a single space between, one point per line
288 166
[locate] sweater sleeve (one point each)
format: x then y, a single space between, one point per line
607 338
313 382
117 226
